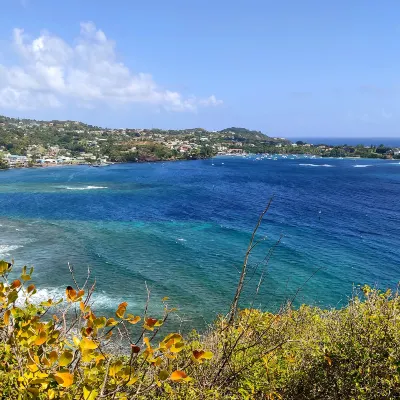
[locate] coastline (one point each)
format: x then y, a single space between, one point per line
228 155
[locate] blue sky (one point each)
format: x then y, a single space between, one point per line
289 68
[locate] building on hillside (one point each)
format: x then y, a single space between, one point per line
185 148
235 151
15 160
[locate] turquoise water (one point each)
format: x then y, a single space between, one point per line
183 228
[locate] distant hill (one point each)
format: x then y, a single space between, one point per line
78 140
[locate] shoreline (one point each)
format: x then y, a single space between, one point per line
188 159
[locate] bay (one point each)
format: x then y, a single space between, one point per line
183 229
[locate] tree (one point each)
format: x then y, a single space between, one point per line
3 163
381 149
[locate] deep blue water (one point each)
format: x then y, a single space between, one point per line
352 141
183 227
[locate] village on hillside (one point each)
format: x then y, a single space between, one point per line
28 143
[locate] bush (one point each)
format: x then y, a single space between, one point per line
62 350
49 351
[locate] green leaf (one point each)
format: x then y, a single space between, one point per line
12 296
163 375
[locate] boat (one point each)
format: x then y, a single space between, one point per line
100 165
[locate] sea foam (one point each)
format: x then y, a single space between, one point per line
317 165
85 187
98 300
6 249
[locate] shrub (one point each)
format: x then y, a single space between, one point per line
49 351
62 350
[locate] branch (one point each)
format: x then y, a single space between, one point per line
239 288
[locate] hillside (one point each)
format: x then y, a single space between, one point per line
68 352
83 142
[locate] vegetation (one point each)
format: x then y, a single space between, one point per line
3 164
55 351
86 143
76 142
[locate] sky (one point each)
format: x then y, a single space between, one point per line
287 68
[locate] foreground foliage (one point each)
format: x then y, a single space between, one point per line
62 350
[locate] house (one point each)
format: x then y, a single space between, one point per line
14 160
235 151
185 148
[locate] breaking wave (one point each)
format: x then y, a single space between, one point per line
99 300
85 187
6 249
316 165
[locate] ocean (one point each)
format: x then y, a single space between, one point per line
183 228
352 141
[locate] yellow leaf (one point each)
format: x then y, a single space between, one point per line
45 361
99 358
6 317
157 362
179 376
200 355
88 355
149 323
76 341
70 293
328 360
4 266
177 347
79 295
100 322
134 320
64 379
121 310
65 358
33 367
87 344
132 380
208 355
111 322
115 368
53 356
41 338
89 394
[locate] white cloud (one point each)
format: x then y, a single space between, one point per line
53 73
